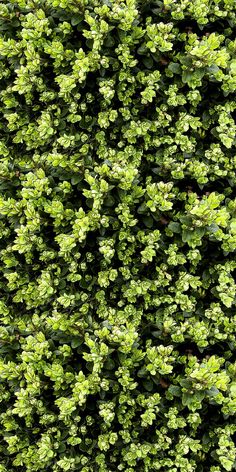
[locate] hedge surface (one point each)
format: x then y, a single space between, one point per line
118 235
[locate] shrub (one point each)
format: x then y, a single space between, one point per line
118 235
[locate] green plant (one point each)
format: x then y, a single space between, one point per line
117 235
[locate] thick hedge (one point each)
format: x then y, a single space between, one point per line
118 235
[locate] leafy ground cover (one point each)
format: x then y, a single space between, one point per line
117 235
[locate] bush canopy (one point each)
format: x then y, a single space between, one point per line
117 235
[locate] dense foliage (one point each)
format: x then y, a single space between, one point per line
118 235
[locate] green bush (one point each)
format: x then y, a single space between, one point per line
118 235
